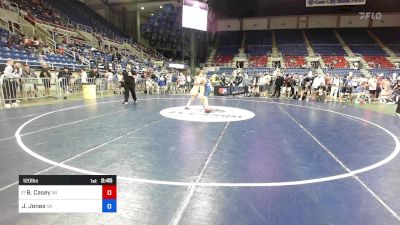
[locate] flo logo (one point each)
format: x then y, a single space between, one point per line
197 114
370 15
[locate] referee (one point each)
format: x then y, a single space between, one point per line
129 83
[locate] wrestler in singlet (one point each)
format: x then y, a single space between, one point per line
196 85
201 88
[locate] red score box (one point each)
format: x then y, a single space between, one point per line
109 191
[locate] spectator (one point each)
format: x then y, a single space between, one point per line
64 79
335 87
278 84
83 76
372 83
93 74
11 73
110 80
28 82
386 91
46 79
188 82
174 80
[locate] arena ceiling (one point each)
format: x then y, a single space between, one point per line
250 8
128 6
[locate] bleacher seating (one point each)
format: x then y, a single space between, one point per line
87 17
257 70
223 59
395 48
285 37
226 70
230 38
258 50
385 72
361 43
390 37
297 71
356 36
228 45
258 43
295 61
3 37
293 50
342 71
328 49
378 62
335 61
324 42
258 61
367 49
290 42
227 50
34 60
321 36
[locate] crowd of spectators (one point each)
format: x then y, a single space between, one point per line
37 12
19 82
318 87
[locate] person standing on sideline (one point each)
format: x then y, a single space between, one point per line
188 82
93 75
28 83
335 87
46 79
174 81
84 76
278 84
11 73
129 83
63 77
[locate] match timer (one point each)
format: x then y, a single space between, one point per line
67 193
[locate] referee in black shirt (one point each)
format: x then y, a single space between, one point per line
129 83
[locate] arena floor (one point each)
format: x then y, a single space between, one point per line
293 163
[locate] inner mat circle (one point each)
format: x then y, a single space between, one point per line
216 114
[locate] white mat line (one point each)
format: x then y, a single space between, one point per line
83 153
65 124
175 220
13 118
391 211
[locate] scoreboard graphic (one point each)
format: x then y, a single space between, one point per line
67 194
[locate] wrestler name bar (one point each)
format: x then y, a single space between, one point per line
67 194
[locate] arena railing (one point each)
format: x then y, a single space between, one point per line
25 90
51 43
74 85
52 65
4 24
84 28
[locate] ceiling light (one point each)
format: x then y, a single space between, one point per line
142 8
160 6
152 14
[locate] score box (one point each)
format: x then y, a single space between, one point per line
67 193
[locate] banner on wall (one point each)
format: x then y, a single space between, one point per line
318 3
